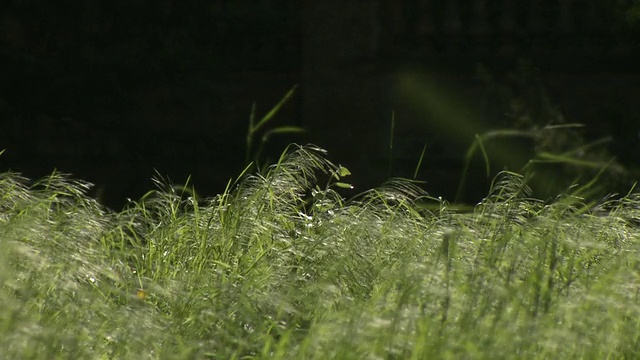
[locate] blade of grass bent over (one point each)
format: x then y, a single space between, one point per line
253 127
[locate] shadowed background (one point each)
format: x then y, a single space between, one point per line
110 91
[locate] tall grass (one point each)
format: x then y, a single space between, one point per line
281 266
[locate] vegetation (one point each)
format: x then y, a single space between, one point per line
254 128
281 266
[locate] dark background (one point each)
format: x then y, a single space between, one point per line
111 90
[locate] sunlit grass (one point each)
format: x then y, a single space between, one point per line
281 266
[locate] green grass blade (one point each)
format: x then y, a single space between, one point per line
424 150
391 135
265 119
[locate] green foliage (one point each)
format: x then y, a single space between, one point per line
560 154
281 266
577 164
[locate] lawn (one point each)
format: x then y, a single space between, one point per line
281 266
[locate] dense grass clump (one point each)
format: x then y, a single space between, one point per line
281 266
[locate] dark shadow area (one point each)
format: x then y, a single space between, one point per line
111 91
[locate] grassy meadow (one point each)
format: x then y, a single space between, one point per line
280 266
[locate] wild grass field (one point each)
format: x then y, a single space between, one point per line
280 266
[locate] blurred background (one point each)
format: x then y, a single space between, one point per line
111 90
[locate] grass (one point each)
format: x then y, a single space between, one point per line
280 266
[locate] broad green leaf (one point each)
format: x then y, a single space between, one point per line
343 171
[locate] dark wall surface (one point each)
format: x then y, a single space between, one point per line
110 91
